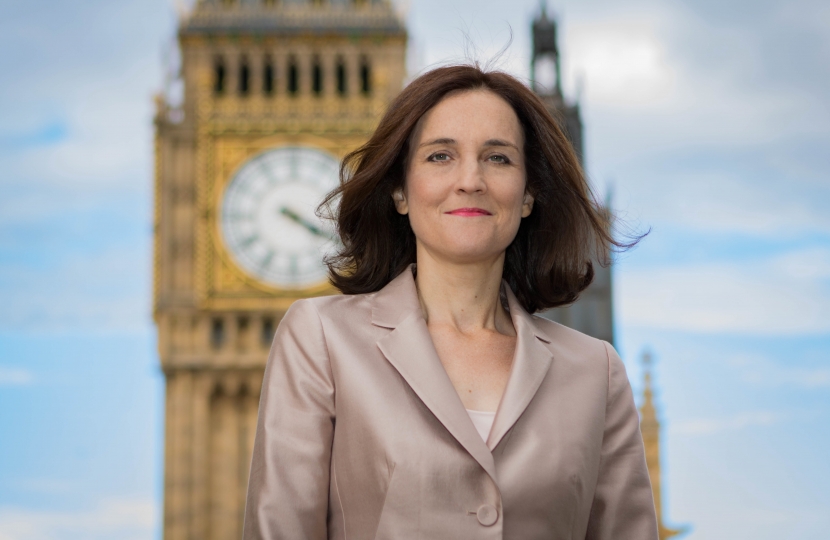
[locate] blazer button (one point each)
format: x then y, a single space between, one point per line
487 515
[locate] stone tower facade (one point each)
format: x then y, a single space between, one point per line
650 429
275 93
593 313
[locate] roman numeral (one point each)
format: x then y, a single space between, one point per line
292 160
250 240
266 171
292 266
237 216
266 261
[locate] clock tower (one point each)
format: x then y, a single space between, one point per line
275 93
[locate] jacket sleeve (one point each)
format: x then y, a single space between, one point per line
623 506
288 489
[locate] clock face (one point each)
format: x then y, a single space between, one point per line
268 219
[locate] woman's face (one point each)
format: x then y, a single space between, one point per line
465 180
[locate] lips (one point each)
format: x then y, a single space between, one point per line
469 212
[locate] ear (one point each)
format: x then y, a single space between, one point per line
399 199
527 204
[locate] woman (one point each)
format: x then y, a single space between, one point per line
465 213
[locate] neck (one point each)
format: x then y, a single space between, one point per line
464 296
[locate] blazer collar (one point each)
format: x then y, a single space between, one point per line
531 362
396 301
410 350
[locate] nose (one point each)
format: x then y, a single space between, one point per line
471 176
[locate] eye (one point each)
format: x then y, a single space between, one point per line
439 156
499 158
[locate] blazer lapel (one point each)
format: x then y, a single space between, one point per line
409 348
531 362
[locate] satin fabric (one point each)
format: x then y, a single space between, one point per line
362 435
483 422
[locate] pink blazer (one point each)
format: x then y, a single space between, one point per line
361 434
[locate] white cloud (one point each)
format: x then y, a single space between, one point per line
686 113
108 141
97 86
724 202
809 374
125 519
807 378
699 79
813 263
770 296
13 376
665 80
96 293
709 426
45 486
623 62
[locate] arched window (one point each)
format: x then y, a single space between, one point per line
219 76
268 329
293 78
316 77
244 77
217 333
365 76
268 76
340 74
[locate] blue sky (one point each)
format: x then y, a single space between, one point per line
709 121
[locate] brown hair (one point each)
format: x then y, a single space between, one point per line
549 261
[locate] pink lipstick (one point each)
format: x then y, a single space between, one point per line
469 212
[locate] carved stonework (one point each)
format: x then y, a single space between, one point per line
215 321
650 429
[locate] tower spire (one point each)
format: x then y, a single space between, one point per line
650 428
544 66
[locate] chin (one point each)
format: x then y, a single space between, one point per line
470 252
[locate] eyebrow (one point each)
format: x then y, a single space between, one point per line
489 142
438 141
499 142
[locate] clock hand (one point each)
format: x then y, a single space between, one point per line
311 227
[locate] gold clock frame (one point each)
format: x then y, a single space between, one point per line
223 281
224 251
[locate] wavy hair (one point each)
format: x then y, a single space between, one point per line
548 263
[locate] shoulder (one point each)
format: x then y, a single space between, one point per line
334 302
582 348
586 356
568 338
335 307
310 324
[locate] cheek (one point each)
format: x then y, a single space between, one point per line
423 192
425 195
510 194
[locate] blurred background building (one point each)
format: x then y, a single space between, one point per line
710 119
275 93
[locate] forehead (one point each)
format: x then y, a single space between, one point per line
470 115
